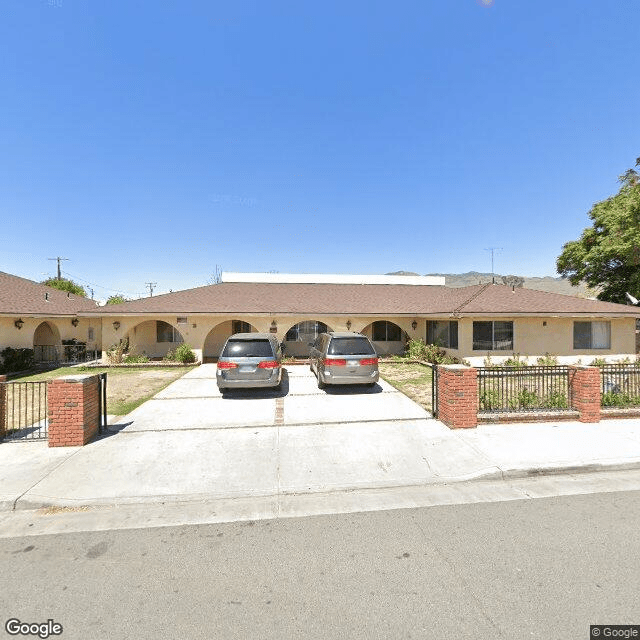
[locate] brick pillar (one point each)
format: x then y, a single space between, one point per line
458 396
585 392
74 413
3 406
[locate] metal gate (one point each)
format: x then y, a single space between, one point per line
434 390
102 402
24 411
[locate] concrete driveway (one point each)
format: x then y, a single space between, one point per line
194 402
189 443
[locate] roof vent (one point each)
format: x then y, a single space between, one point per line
46 296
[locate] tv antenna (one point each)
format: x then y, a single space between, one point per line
493 250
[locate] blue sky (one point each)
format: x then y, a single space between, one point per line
151 141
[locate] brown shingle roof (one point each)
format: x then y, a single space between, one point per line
19 296
329 299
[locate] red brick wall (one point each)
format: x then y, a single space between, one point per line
585 392
3 406
458 396
74 414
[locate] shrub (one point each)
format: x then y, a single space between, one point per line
170 356
16 360
184 353
115 353
489 399
598 362
548 360
516 361
133 358
419 350
525 400
556 400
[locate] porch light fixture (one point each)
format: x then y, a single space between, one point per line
274 324
75 322
348 325
414 325
116 325
18 323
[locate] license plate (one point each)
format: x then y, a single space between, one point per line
246 369
353 363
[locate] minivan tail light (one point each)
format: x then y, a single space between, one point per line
366 361
334 363
268 364
227 365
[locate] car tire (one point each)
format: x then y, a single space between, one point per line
321 385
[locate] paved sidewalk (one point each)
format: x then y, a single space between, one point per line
189 444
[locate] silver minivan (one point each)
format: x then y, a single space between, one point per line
250 361
344 358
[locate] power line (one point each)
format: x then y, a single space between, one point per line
129 293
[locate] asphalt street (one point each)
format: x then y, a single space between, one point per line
541 569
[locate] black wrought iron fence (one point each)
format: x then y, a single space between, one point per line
25 411
510 389
620 385
65 354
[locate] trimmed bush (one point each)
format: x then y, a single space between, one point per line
16 360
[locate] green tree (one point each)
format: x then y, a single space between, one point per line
607 254
117 299
66 285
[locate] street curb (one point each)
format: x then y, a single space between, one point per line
491 473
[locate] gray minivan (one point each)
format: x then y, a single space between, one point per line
250 361
344 358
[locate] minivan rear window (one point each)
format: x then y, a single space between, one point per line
351 347
247 349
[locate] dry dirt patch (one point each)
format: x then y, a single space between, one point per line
414 380
126 388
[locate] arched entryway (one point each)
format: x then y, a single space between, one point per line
47 345
216 338
153 338
387 337
301 336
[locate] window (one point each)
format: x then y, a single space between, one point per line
306 331
166 333
385 331
248 349
443 333
238 326
592 335
492 336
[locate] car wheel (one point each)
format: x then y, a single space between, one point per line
321 385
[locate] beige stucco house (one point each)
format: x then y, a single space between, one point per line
41 318
469 322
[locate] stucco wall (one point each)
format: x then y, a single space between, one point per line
531 336
10 336
536 336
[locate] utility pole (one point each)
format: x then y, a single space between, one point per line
59 259
150 286
493 250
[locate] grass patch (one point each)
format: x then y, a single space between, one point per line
127 389
414 380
